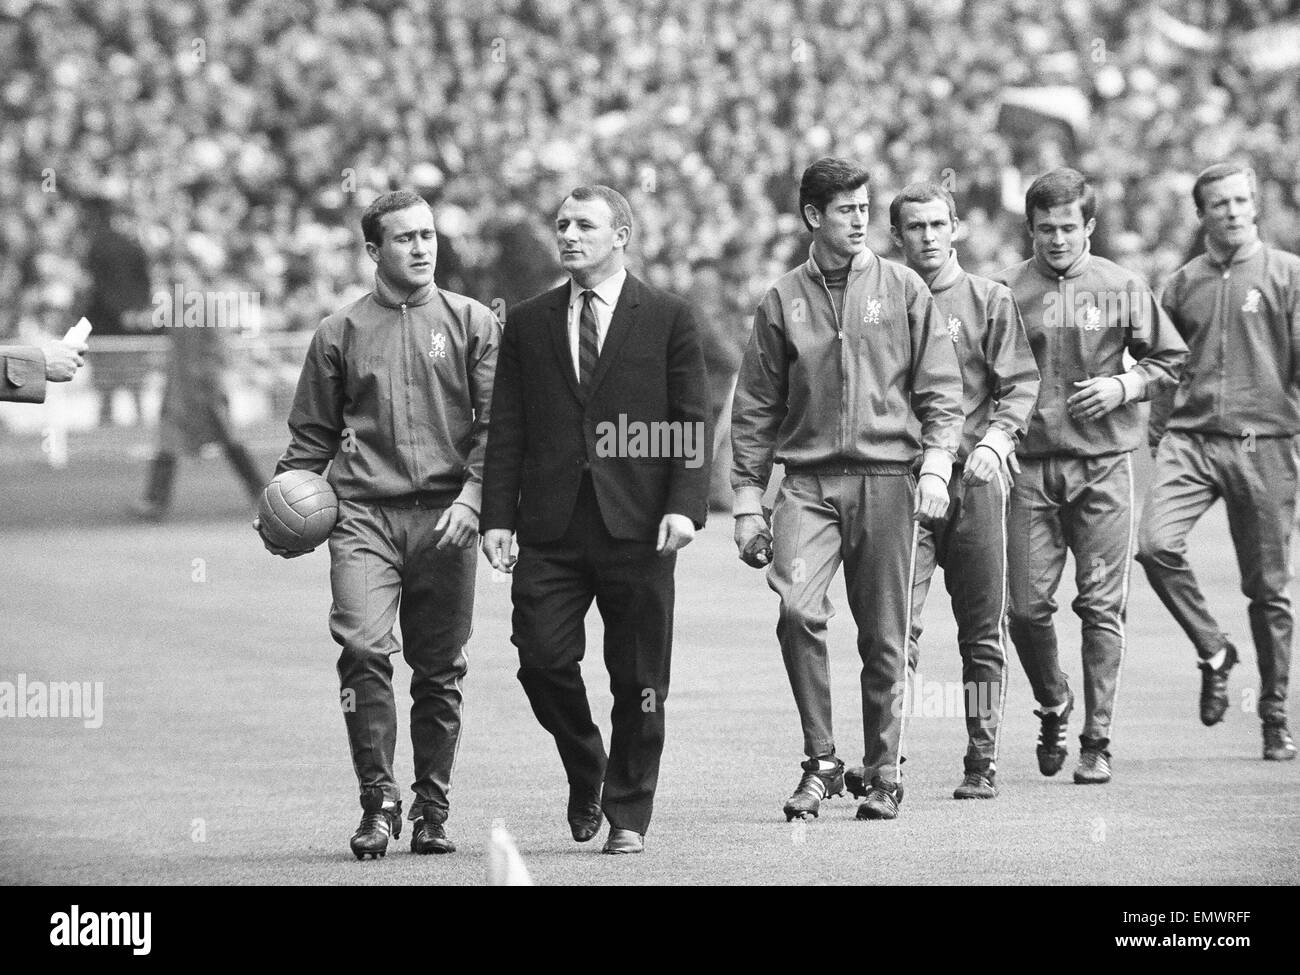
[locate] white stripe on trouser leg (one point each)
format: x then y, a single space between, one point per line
907 635
460 722
1123 596
1002 622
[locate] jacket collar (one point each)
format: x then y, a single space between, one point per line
948 275
860 263
1073 271
390 296
1243 253
621 323
607 291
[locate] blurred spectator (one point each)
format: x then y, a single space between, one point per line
260 130
522 256
195 412
116 302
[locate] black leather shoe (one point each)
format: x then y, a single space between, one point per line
977 784
814 786
624 841
1094 762
1051 748
584 814
883 800
1214 687
377 825
1278 746
430 837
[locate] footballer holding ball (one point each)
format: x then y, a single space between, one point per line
395 393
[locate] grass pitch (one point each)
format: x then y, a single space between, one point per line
222 757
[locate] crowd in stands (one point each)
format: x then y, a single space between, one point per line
240 139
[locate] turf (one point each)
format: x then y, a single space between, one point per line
222 757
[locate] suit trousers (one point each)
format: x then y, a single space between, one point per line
865 522
1256 477
970 544
552 589
1083 505
385 565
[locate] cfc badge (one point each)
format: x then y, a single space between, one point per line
1252 301
872 317
1091 318
954 328
439 350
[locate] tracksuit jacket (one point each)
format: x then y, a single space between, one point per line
1240 317
824 393
383 393
1080 323
999 375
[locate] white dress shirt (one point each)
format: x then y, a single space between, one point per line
606 297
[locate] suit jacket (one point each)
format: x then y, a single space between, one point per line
22 374
640 429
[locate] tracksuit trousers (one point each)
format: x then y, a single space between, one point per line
970 545
1083 505
1256 477
865 522
385 566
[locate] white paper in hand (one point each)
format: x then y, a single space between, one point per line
79 332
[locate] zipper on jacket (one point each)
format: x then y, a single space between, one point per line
844 372
1220 316
410 416
1058 367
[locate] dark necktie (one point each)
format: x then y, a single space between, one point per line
588 351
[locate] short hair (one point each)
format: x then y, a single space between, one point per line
619 208
924 191
824 179
371 227
1061 187
1212 174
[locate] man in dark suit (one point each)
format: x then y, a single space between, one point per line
597 457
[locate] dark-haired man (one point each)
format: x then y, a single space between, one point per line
1075 489
850 381
598 518
999 388
396 391
1229 432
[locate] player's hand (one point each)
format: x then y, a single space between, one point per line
931 498
982 465
1096 397
675 533
271 547
496 546
747 526
459 526
753 540
63 359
